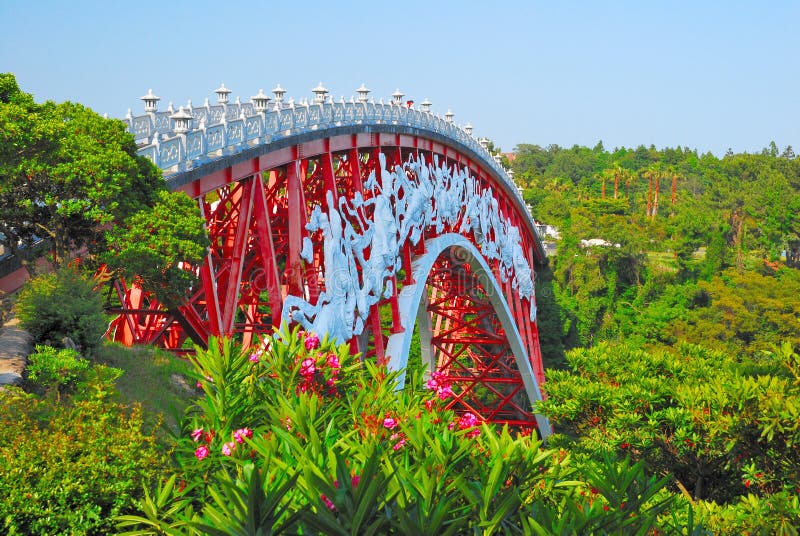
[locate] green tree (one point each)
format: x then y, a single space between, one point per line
722 428
66 173
157 247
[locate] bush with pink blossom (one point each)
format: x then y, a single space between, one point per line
305 438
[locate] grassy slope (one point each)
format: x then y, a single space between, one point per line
149 378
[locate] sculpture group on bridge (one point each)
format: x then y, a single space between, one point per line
361 254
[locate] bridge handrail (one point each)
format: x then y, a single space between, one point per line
215 131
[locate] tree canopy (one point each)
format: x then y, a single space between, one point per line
66 173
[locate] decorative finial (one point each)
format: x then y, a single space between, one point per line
260 101
279 92
150 102
222 94
319 93
363 93
180 121
397 97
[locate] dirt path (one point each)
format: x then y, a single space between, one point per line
15 345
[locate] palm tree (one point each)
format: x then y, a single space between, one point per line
618 171
674 186
658 177
603 176
651 174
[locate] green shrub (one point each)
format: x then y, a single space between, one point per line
70 466
62 304
50 368
725 430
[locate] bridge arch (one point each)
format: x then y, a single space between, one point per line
412 302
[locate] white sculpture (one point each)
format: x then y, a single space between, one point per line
409 199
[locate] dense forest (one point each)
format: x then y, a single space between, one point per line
672 337
698 246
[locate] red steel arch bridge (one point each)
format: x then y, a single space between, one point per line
373 223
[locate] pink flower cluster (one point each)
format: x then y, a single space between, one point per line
317 374
440 384
202 451
312 341
390 423
468 421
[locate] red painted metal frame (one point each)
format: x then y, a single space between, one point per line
256 214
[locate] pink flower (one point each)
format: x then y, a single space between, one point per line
227 448
197 433
254 358
397 446
468 420
312 341
199 384
333 362
355 480
439 377
308 367
201 452
444 393
328 502
440 383
389 423
429 405
241 433
474 433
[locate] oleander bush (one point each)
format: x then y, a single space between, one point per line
299 437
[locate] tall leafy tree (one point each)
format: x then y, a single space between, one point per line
66 173
158 248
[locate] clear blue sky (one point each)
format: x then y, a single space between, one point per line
707 75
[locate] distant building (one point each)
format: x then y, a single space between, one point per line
598 242
548 232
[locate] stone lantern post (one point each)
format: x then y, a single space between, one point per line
222 94
363 93
320 93
150 102
180 121
279 92
260 101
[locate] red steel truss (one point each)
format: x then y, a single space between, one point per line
256 213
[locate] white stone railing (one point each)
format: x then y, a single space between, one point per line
221 130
